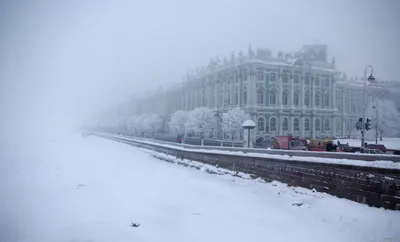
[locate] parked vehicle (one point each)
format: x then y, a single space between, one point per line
324 145
289 143
372 151
376 147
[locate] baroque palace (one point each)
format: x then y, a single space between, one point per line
299 94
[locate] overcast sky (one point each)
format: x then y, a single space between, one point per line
63 59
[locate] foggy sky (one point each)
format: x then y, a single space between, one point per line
61 61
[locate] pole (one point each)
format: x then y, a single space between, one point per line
365 105
248 138
364 110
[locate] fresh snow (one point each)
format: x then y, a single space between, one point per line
78 189
378 163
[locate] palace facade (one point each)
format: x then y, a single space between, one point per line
298 94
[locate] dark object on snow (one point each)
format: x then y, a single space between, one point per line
134 225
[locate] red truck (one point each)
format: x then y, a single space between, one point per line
289 143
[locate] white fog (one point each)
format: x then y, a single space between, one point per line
65 65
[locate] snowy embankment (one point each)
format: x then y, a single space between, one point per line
380 164
389 143
91 189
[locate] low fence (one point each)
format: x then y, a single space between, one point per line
379 187
334 155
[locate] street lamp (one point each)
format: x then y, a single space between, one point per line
370 78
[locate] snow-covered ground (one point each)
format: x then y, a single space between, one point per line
390 143
91 189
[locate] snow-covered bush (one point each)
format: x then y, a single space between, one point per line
232 121
199 120
178 122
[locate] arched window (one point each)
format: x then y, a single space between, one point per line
317 125
260 124
338 126
317 99
272 124
285 124
260 96
326 100
353 108
285 98
296 98
244 96
307 99
348 126
296 124
272 97
327 125
307 124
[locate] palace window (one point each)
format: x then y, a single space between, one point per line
285 98
285 78
307 99
285 124
317 125
260 76
260 96
272 124
317 99
260 124
307 79
296 124
326 100
326 82
316 82
296 98
272 77
338 126
296 79
307 124
327 125
272 97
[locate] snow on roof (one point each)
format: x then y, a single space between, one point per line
249 123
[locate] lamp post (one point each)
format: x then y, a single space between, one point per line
371 79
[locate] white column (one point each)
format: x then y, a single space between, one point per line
302 131
343 127
333 101
279 78
333 126
291 124
301 94
280 120
251 89
240 90
313 127
291 92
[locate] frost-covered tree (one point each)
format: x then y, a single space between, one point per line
232 121
131 124
388 118
178 122
199 120
154 121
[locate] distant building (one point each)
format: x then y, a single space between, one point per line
299 94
